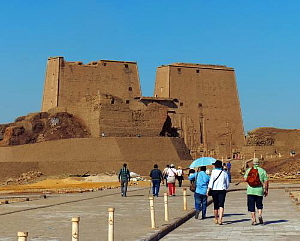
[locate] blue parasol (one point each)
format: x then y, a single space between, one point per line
202 161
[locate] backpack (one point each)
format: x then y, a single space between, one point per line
253 178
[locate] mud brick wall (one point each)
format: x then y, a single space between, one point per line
97 155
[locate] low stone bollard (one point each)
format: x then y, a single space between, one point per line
111 224
22 236
75 228
166 206
152 214
184 200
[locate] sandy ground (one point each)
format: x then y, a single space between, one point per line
69 184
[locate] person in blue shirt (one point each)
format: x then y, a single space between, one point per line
202 180
157 178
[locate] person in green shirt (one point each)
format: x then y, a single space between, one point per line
255 194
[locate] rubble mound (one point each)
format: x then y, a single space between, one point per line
25 178
288 168
42 126
269 136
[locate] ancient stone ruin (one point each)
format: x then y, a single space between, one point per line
94 118
196 102
271 142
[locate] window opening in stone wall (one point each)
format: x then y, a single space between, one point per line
127 101
112 101
181 104
199 104
126 65
179 70
130 88
198 71
104 64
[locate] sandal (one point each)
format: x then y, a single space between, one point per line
254 223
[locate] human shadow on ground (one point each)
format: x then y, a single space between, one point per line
233 214
237 221
229 215
275 221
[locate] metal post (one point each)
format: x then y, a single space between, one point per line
166 206
184 200
75 228
111 224
152 215
22 236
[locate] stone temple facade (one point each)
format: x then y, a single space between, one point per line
196 102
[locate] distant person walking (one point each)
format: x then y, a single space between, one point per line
165 174
228 166
292 153
179 176
201 179
258 187
218 183
171 179
124 178
229 170
157 178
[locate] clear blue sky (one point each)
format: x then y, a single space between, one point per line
260 39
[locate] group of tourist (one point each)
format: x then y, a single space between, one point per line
169 175
215 185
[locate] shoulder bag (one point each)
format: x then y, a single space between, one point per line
171 179
193 185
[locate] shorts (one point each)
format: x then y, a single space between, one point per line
218 197
254 200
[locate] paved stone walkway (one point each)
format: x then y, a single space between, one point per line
50 219
281 216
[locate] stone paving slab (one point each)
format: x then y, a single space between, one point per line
50 219
281 216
